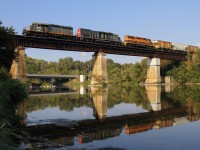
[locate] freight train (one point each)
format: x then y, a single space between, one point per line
66 32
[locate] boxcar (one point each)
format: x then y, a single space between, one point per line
137 40
162 44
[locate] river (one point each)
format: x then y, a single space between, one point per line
122 118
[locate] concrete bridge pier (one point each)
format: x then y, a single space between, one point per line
100 96
154 97
99 73
17 70
153 71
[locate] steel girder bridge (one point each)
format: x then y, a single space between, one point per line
86 46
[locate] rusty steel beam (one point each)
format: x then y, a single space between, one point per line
84 46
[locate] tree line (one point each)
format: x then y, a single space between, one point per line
129 73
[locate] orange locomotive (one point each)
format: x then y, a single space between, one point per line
138 128
137 41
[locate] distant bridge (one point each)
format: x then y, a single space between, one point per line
47 76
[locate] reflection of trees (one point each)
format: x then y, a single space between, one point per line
116 95
136 95
187 95
64 102
181 96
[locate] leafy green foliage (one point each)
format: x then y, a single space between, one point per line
12 93
64 66
7 47
187 72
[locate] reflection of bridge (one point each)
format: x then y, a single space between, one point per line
89 130
50 94
99 74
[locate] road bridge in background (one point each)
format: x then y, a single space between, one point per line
47 76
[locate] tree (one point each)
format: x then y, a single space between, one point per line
7 47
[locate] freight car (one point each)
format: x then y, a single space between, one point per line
98 36
47 30
177 46
192 49
174 46
162 44
137 41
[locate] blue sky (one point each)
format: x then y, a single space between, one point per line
170 20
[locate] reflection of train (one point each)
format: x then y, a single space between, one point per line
86 138
139 128
66 32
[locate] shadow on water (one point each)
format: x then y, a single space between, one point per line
155 107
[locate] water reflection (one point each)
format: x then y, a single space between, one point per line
110 113
100 96
154 97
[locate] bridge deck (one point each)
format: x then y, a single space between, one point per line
85 46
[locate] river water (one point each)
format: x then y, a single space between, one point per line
131 118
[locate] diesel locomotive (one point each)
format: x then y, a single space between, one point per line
66 32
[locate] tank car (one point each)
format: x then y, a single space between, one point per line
177 46
98 36
162 44
137 41
47 30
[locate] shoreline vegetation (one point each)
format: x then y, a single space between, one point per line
12 94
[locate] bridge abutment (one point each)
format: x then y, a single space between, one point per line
153 71
17 70
99 73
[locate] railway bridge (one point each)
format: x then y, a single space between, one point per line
99 74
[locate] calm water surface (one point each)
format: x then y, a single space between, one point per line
151 117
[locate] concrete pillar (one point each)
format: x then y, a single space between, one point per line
17 70
154 97
153 71
82 78
100 96
99 73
